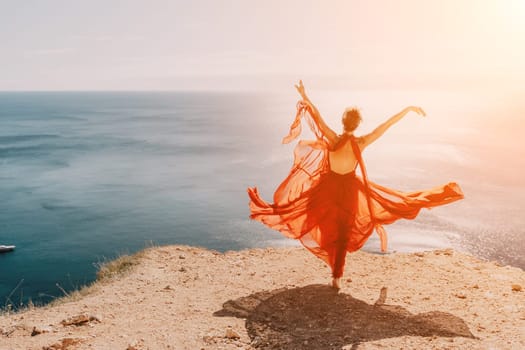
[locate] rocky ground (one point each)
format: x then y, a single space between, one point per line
179 297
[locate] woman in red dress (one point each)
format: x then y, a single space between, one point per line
324 204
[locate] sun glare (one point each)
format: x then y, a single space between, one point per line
515 11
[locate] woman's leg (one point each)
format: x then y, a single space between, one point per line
340 258
340 255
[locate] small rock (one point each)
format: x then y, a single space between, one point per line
77 320
256 341
63 344
231 334
419 254
517 288
182 269
7 332
460 296
208 339
182 257
136 345
95 318
55 346
66 342
39 330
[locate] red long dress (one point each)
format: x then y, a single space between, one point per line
330 213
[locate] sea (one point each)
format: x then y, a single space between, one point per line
88 176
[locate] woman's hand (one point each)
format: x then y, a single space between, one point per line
382 128
300 90
417 110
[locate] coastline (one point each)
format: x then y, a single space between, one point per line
182 297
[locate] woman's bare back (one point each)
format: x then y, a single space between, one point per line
343 160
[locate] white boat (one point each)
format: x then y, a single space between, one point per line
6 248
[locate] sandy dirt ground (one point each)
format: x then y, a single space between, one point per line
180 297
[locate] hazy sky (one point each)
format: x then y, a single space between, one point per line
210 44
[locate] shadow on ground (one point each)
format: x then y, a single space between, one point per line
317 317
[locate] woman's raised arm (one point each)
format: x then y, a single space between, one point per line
325 129
380 130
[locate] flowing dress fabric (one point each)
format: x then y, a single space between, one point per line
332 213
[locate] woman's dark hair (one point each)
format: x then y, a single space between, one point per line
351 119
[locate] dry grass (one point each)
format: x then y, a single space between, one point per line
73 295
118 266
107 270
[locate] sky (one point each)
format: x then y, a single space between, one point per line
248 44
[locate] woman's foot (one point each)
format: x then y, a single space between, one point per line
336 283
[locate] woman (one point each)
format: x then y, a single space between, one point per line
324 204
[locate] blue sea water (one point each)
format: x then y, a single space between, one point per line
86 176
